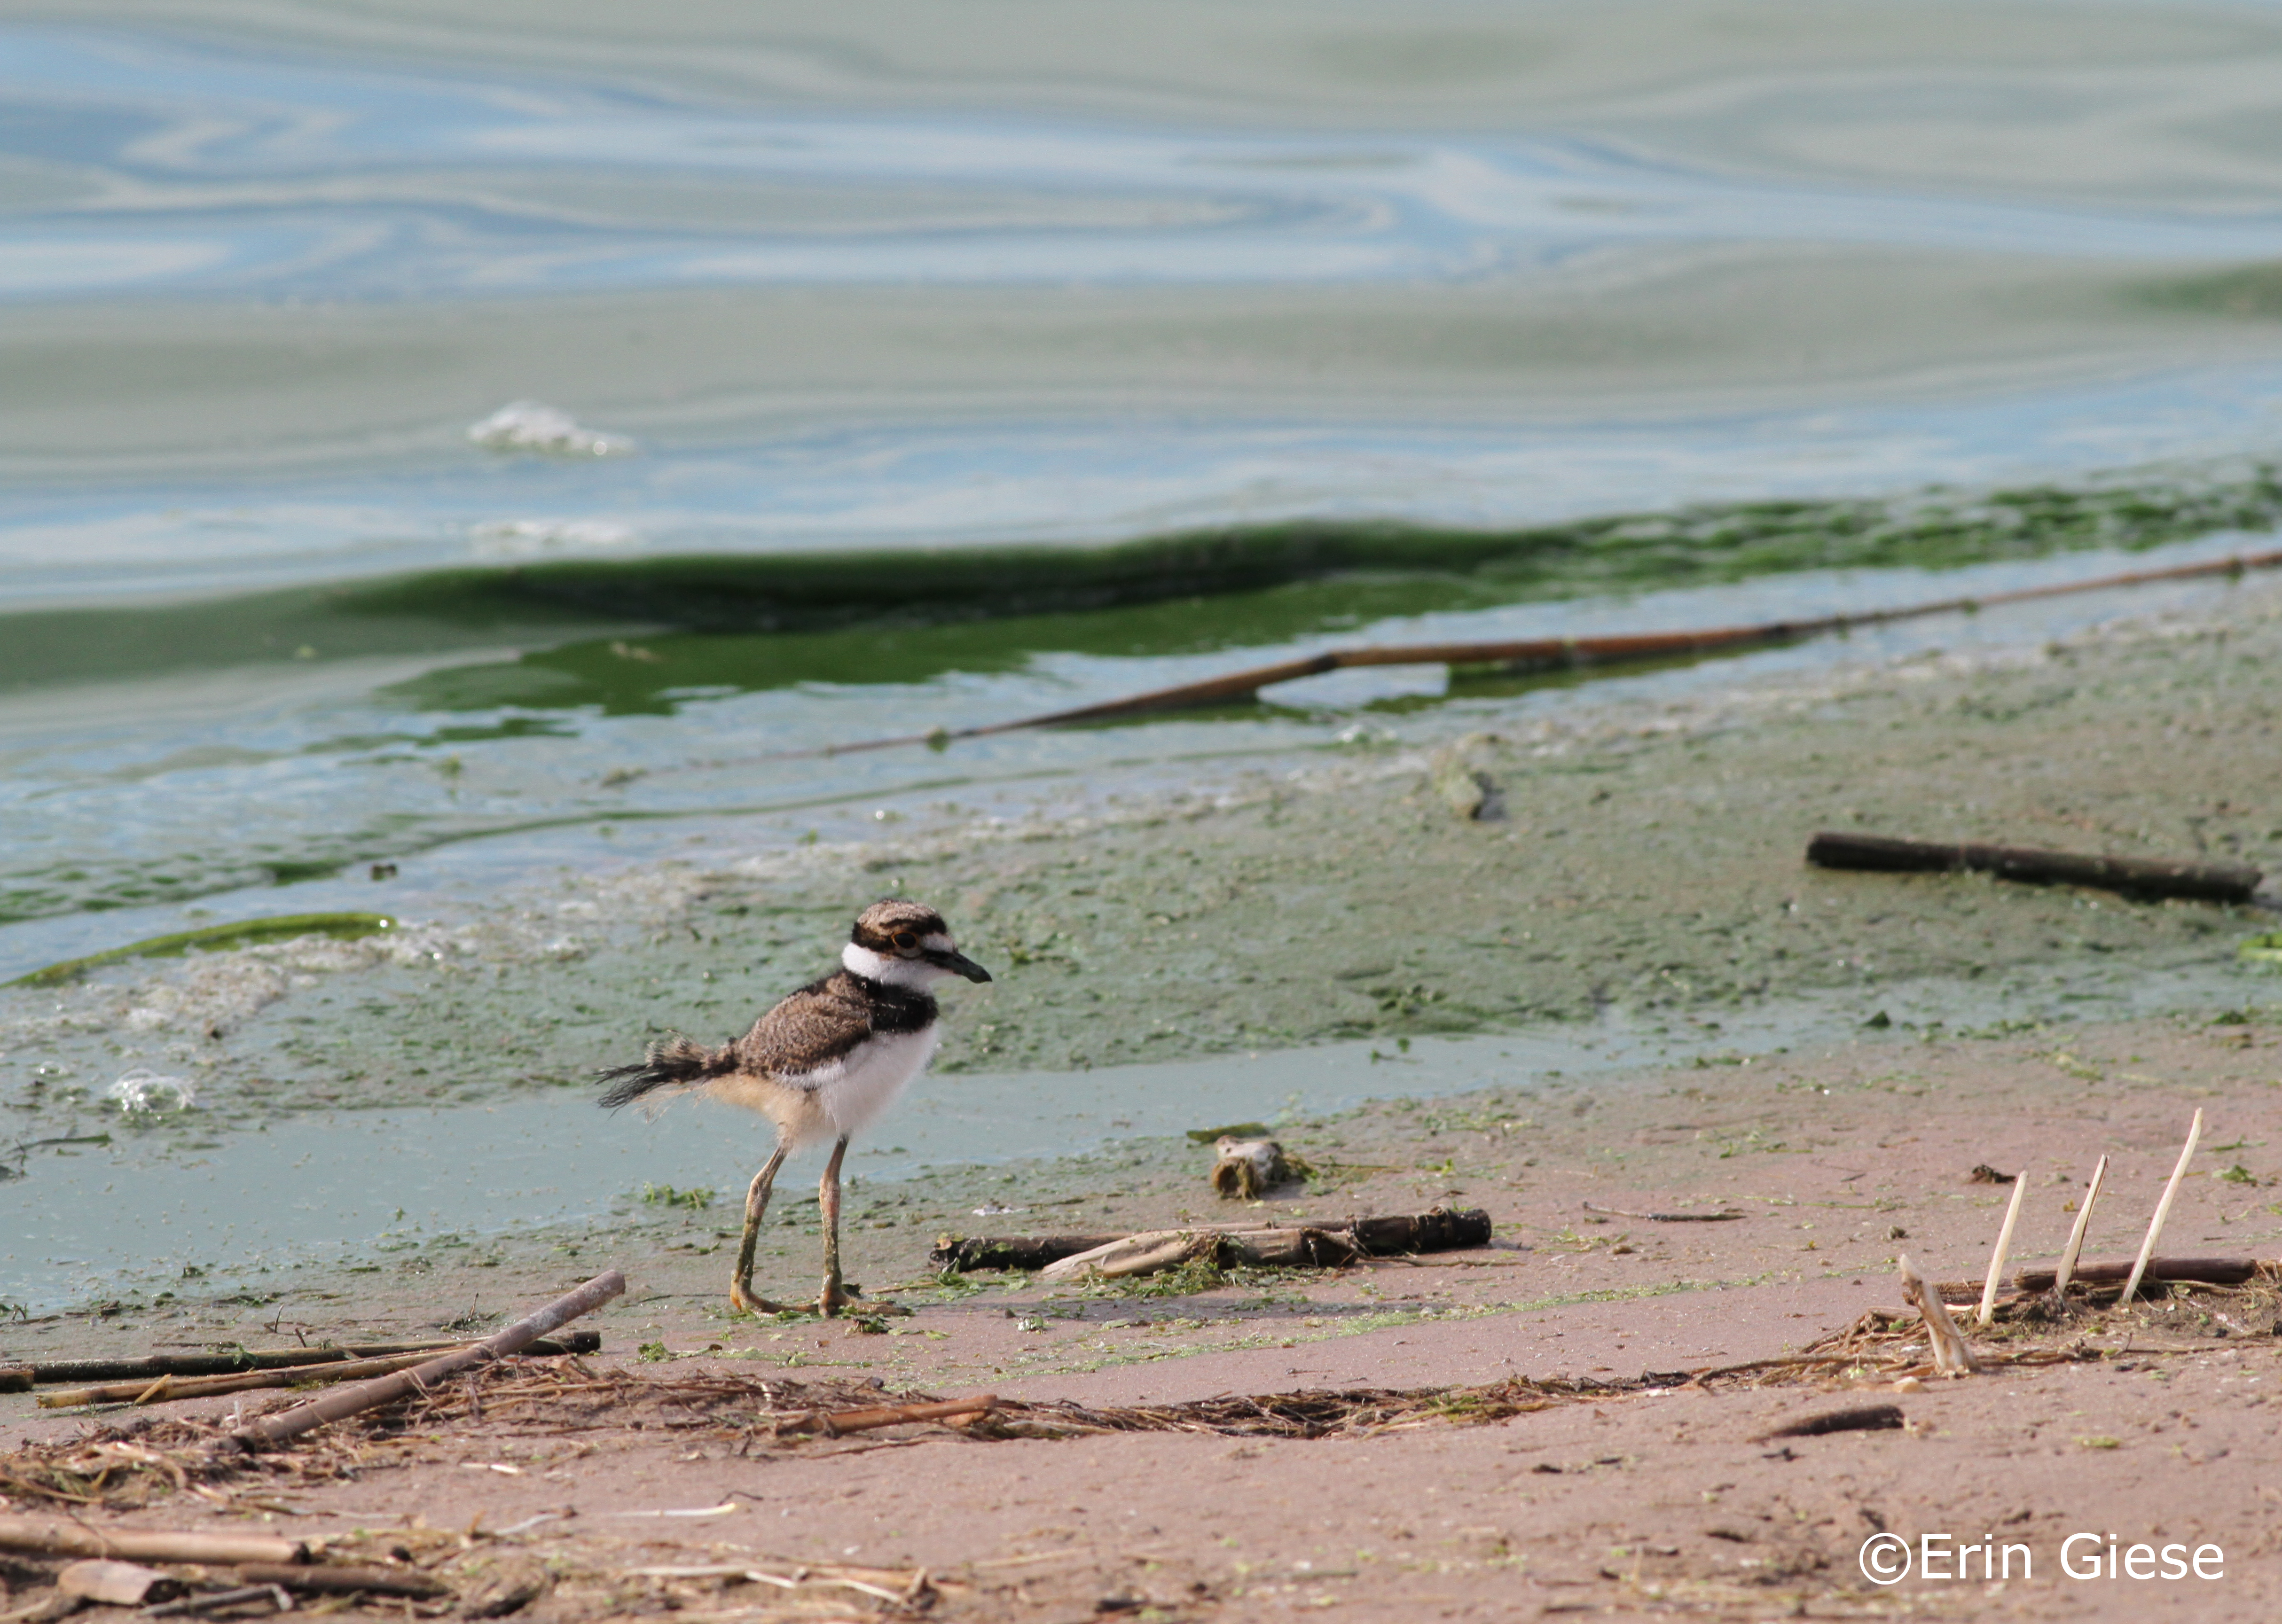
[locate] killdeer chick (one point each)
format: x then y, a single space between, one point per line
825 1063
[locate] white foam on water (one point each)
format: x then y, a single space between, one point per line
529 426
533 538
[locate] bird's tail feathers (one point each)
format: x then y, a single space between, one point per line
671 1064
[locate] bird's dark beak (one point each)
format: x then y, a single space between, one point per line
961 963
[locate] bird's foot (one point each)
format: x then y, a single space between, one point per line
744 1302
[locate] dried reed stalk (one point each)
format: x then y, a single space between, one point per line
1953 1355
1988 1309
2163 1208
2066 1270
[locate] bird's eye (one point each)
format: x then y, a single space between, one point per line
905 941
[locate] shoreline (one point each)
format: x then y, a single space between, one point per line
1645 875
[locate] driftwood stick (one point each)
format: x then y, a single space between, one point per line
49 1371
53 1537
2210 882
1726 1216
386 1389
167 1388
837 1423
1440 1230
1531 654
2066 1270
1290 1249
2198 1271
959 1254
1277 1246
1861 1417
1953 1355
1988 1309
2163 1208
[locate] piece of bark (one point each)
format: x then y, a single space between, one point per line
2199 1270
1150 1252
363 1395
2210 882
78 1539
1861 1417
16 1377
1247 1168
49 1373
1952 1356
116 1584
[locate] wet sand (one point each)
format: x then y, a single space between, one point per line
1643 1501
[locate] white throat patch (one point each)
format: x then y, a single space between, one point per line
861 961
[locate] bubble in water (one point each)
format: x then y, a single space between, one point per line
145 1090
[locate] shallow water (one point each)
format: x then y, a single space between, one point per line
166 1199
959 362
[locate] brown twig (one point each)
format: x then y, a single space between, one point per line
1725 1216
1536 654
167 1388
242 1359
2210 882
369 1394
75 1539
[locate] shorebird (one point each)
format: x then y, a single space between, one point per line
824 1064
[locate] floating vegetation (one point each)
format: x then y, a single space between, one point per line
666 1196
216 938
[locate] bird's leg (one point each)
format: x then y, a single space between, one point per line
757 1208
834 1297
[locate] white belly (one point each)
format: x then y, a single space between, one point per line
852 1094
